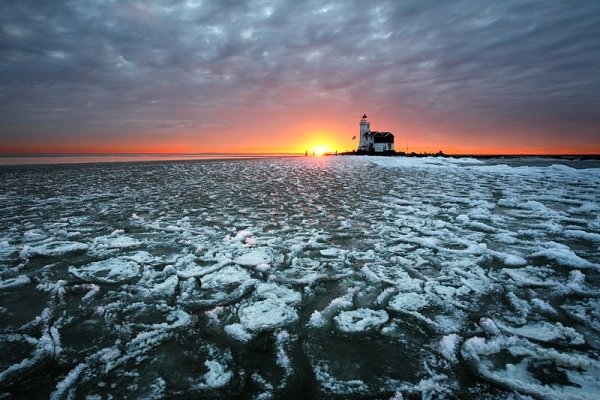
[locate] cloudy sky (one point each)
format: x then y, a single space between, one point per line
278 76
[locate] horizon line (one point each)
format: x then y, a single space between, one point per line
474 154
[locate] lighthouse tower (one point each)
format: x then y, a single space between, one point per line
364 128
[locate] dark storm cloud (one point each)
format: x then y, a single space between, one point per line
72 67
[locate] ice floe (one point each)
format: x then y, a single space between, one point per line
360 320
536 370
112 270
266 314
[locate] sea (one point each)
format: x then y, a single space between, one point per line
349 277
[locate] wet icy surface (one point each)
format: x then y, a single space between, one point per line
300 278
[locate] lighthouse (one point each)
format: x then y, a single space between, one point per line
374 141
364 130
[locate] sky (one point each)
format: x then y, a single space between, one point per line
463 77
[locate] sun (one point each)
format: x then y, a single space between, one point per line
320 150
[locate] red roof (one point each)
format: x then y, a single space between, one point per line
364 115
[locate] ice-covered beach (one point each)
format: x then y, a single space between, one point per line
332 277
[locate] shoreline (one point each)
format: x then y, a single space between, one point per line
476 156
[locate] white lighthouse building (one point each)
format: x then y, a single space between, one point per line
374 141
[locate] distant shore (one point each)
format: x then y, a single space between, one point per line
477 156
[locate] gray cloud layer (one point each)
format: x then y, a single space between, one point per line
80 67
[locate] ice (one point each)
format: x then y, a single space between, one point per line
165 288
113 270
407 302
331 252
253 258
448 347
514 261
238 332
14 282
366 277
278 292
217 375
319 318
112 243
360 320
242 236
545 332
563 255
531 276
332 385
67 382
579 234
580 372
226 276
266 314
53 249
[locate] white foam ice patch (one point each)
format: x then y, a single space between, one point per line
217 375
360 320
141 257
277 292
534 367
92 289
562 254
238 332
283 359
370 275
242 236
545 332
514 260
583 235
67 382
586 312
330 252
521 306
46 347
407 302
384 296
423 162
576 281
112 270
186 268
136 349
108 244
266 315
14 282
6 249
408 284
330 384
174 318
158 288
448 347
34 235
262 268
226 276
254 257
531 276
543 306
538 207
489 326
319 318
53 248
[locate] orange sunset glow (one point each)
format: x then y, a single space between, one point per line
282 81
